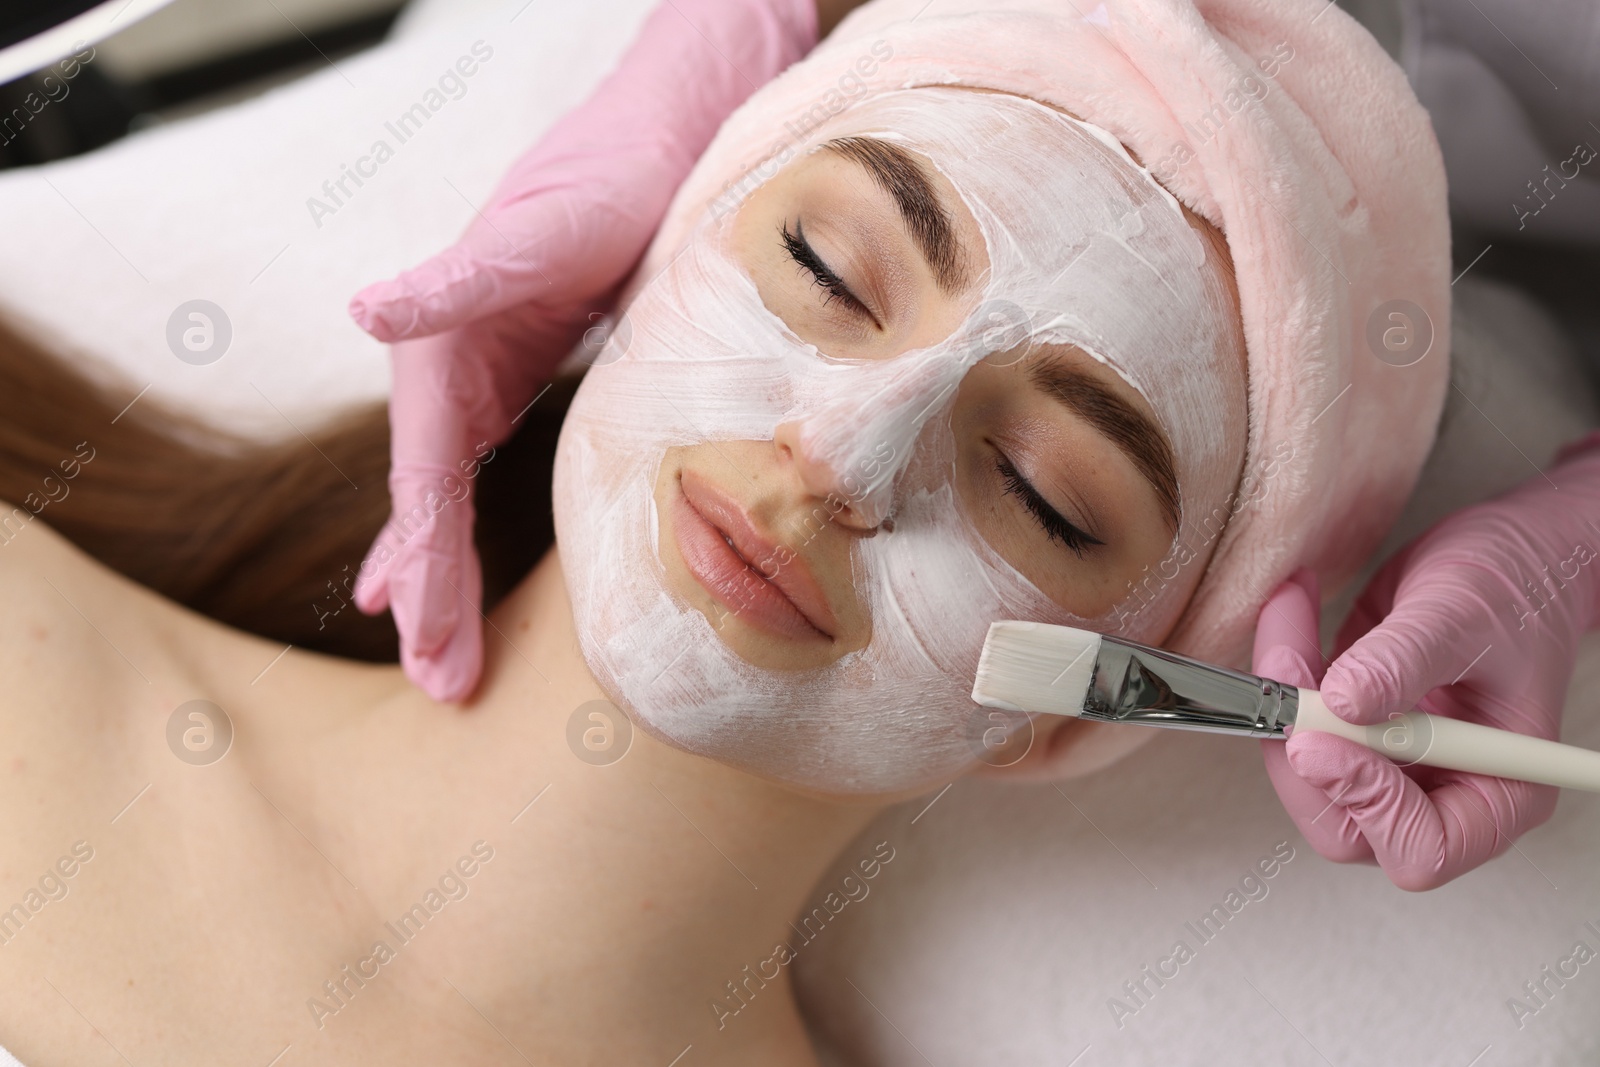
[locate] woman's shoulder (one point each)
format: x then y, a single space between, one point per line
31 547
14 519
73 626
28 543
45 583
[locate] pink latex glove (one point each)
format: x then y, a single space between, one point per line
1478 619
481 326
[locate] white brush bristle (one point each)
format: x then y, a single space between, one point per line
1033 666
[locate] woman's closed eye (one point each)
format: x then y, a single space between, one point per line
1055 526
823 276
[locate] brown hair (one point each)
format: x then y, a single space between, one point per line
264 536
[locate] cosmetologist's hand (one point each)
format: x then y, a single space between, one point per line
479 328
1478 619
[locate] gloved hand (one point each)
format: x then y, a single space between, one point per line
1478 619
483 324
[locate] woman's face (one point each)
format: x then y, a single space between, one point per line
941 370
1049 487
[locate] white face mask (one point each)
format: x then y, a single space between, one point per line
1084 248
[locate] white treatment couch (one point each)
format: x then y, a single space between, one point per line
1010 916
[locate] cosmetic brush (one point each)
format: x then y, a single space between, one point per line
1060 670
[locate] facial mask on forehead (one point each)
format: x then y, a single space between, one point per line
1084 248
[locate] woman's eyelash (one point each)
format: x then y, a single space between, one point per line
1055 527
804 255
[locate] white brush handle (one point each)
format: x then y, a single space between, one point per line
1416 737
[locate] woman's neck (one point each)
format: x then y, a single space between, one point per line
667 878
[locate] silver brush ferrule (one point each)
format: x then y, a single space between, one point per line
1150 687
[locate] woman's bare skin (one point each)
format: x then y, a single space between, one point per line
219 898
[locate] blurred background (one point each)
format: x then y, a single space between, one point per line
190 56
194 55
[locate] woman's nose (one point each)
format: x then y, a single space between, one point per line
845 498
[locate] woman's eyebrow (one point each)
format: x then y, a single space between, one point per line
1139 439
899 174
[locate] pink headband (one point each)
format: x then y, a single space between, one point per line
1283 123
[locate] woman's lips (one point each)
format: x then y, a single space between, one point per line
732 559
